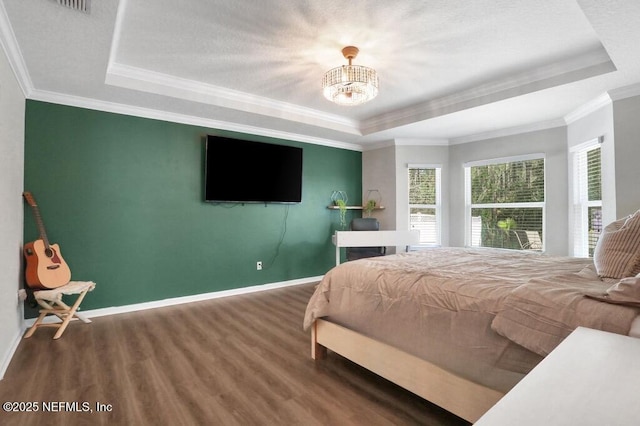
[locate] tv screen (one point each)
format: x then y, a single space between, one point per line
241 171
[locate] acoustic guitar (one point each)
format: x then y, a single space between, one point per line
46 269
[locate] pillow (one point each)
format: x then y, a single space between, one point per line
617 252
624 292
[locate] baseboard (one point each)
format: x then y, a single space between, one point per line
94 313
8 356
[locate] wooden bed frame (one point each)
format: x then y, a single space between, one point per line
457 395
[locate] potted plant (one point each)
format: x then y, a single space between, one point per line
373 201
370 206
342 205
339 199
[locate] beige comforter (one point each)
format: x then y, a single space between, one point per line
473 311
540 313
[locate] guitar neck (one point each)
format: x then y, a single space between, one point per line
40 224
36 213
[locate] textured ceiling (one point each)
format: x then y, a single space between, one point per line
450 70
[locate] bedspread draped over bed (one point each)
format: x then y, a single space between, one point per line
487 315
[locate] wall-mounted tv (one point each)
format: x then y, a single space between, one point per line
242 171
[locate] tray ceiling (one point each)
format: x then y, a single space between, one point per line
449 69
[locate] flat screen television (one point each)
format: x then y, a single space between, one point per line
242 171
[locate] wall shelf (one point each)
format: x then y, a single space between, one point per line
354 208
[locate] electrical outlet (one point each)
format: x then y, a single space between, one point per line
259 265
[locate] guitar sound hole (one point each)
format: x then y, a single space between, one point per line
48 252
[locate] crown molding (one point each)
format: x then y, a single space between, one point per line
139 79
581 66
625 92
166 85
588 108
117 108
14 54
421 142
510 131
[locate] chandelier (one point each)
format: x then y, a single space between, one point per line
350 84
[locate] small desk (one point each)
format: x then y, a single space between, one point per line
374 239
591 378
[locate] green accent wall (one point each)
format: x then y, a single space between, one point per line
123 197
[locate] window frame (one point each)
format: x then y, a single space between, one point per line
469 206
437 206
580 196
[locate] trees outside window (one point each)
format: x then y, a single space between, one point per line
424 203
505 203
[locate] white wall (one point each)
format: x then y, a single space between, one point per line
12 109
378 172
626 123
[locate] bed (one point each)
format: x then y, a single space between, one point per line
459 326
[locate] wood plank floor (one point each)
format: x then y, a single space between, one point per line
240 360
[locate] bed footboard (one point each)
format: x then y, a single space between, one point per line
461 397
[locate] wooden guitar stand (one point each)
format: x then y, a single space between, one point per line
52 304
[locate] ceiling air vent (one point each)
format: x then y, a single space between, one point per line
81 5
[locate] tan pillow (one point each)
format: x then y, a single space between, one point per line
624 292
617 253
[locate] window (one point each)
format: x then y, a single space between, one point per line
587 198
424 202
505 203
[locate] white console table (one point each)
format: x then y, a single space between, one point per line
591 378
374 239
